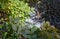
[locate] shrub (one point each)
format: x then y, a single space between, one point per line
15 11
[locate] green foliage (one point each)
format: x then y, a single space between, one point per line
18 11
49 32
14 28
45 32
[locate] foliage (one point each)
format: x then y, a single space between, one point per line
49 32
16 11
45 32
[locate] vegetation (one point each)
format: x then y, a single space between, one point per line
13 14
17 12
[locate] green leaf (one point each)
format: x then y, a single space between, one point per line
1 26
